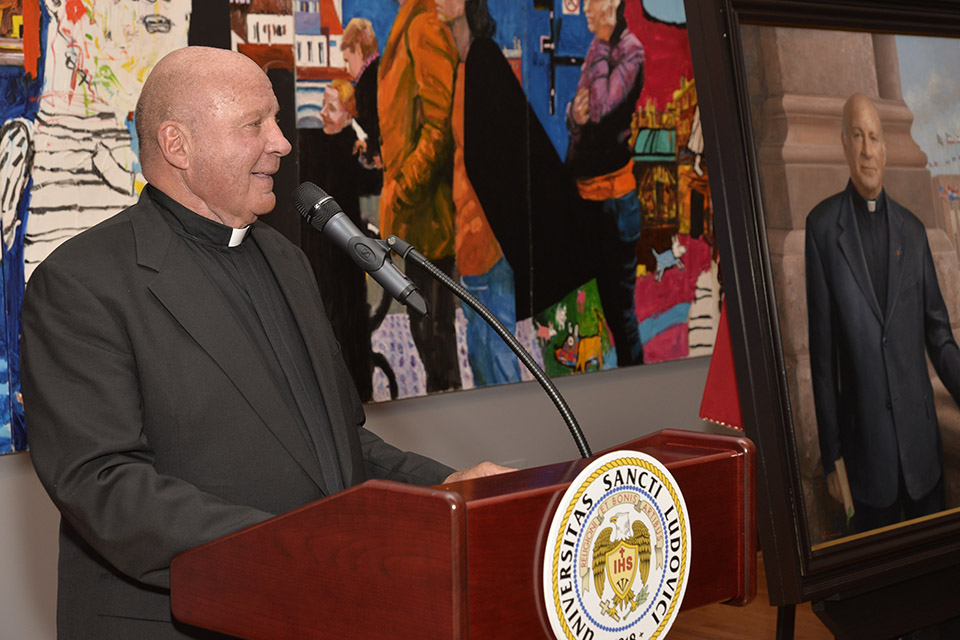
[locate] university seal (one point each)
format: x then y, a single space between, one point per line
617 555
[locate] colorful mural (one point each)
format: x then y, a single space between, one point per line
71 73
520 176
21 77
546 154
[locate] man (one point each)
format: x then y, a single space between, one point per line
326 158
873 303
484 269
362 57
180 378
415 99
600 159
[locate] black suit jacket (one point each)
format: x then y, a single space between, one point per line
153 425
872 391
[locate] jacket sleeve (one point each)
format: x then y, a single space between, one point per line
84 422
941 345
610 83
823 361
383 460
435 61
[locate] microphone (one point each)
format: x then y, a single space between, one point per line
325 215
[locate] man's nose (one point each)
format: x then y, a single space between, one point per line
278 143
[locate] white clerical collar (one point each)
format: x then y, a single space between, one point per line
237 236
871 207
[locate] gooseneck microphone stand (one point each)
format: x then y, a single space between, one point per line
406 251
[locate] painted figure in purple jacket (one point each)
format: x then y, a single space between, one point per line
600 159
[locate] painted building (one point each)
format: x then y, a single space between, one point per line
269 29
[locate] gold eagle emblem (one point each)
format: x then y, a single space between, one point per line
619 554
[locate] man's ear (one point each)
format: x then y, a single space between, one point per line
174 142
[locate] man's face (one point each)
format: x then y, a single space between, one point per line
354 60
450 10
864 148
237 146
601 17
335 117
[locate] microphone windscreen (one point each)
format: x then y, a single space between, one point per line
315 204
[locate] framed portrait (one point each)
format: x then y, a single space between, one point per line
833 137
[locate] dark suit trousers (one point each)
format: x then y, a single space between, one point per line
866 518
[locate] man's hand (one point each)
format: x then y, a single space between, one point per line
580 111
833 486
481 470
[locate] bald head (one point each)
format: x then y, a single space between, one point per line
209 136
183 87
863 145
857 106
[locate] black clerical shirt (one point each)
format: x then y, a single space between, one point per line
250 290
875 239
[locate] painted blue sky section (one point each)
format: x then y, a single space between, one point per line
930 83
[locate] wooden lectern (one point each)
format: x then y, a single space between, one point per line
389 560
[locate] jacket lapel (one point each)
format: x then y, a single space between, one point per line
304 300
200 310
852 249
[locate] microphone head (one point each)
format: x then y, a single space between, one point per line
315 204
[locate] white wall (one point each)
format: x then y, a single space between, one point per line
518 424
28 558
515 424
